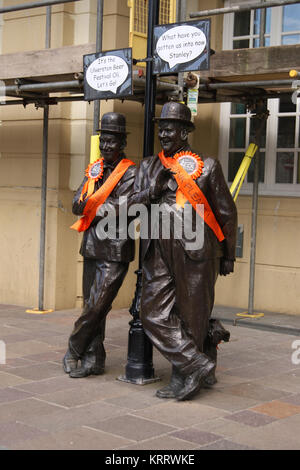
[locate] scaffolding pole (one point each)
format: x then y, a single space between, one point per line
139 368
181 16
98 49
239 8
255 185
29 5
44 180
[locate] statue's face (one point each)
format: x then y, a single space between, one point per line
111 146
172 136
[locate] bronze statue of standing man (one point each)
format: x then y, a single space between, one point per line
179 282
106 260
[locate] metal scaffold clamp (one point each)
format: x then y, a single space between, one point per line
295 85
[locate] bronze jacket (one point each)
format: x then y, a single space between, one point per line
121 248
213 185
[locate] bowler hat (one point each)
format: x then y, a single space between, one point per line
173 111
114 123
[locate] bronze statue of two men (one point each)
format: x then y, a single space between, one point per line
179 270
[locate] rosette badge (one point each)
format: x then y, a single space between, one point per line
191 163
94 172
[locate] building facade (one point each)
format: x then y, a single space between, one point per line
223 130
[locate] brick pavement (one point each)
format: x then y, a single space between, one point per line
254 405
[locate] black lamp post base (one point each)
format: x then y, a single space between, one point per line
138 381
139 368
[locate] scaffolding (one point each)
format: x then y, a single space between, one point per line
44 90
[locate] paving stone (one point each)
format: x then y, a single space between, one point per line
45 386
98 412
225 380
280 350
263 369
282 434
23 410
83 392
246 357
289 382
78 438
250 418
26 348
181 414
8 379
257 392
12 394
137 428
39 371
162 443
293 399
15 338
52 356
56 342
223 427
196 436
135 401
277 409
10 433
226 445
220 399
86 415
17 362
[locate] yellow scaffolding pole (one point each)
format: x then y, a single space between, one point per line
242 171
94 150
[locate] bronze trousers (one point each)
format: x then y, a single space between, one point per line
177 301
101 283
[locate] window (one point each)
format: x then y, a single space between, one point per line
246 28
290 29
279 164
139 23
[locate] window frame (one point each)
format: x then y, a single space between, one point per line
269 187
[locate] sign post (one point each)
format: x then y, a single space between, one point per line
171 49
139 368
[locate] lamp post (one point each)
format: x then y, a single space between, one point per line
139 368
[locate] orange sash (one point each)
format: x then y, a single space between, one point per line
193 193
100 196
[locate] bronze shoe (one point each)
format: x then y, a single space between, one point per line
85 371
195 381
172 389
91 364
69 362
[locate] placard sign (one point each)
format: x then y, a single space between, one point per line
181 47
108 75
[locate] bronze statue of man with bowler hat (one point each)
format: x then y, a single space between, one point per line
106 260
179 282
